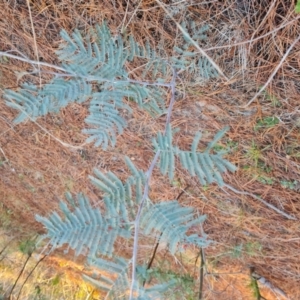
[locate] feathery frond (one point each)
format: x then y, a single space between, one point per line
32 102
207 167
119 194
86 229
168 218
98 58
89 230
117 284
173 221
98 54
189 61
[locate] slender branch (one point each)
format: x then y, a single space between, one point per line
86 77
153 256
172 100
255 286
34 40
30 273
21 272
182 192
146 189
137 223
201 275
262 201
32 62
157 244
3 249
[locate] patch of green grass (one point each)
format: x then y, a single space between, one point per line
263 167
205 187
261 170
176 183
236 251
27 246
230 146
274 100
297 7
286 184
4 59
267 122
253 248
265 179
219 148
56 280
249 249
254 154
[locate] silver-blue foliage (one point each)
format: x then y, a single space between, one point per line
168 218
95 64
95 67
82 227
93 231
173 221
206 166
117 284
34 102
85 229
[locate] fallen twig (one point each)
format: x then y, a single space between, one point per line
267 284
262 201
274 72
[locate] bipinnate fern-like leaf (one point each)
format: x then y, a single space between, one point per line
156 66
34 102
117 284
206 166
168 218
90 231
97 54
173 222
85 229
98 59
119 194
105 105
190 61
184 59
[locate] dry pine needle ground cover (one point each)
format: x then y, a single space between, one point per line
248 40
